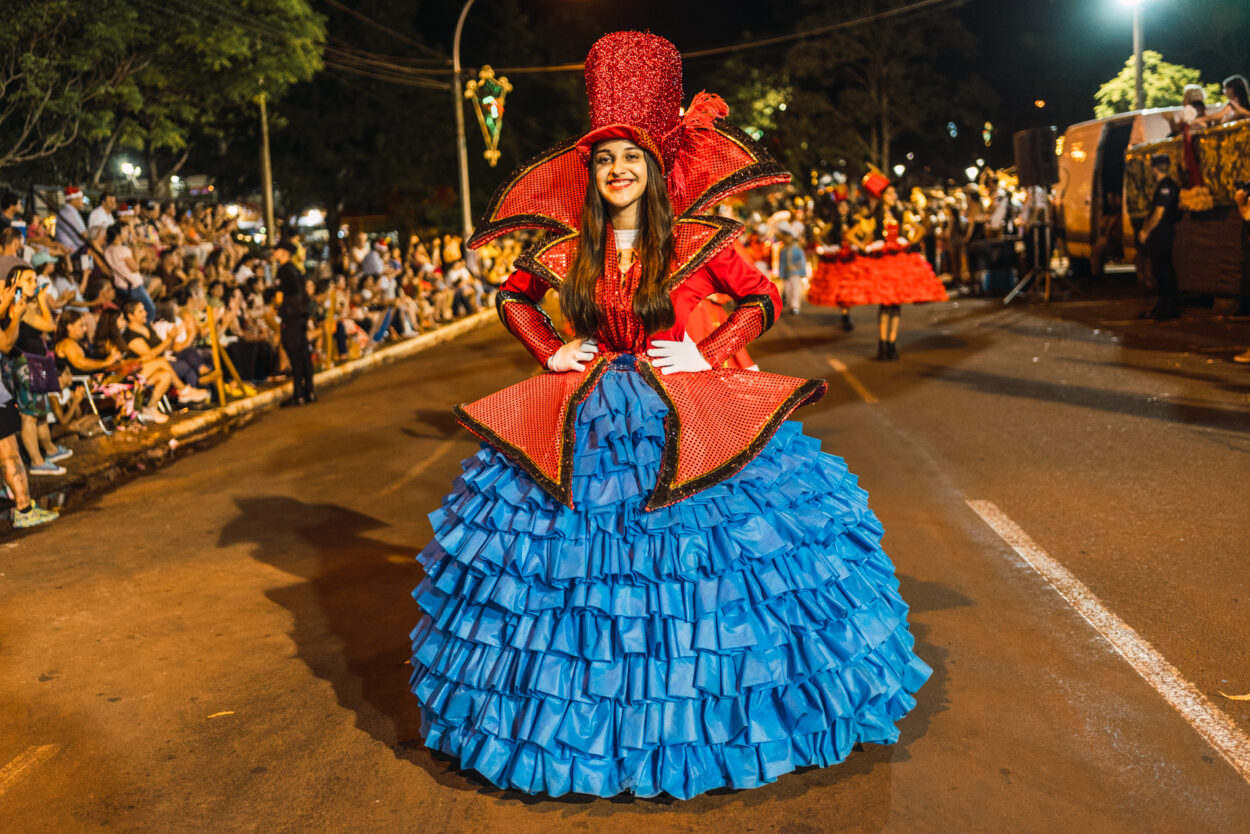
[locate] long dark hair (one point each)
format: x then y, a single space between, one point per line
1241 90
67 318
655 233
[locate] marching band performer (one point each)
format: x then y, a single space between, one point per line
892 272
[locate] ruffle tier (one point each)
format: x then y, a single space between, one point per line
751 629
831 273
892 277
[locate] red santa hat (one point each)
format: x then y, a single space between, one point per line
72 192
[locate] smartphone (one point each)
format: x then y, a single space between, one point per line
17 294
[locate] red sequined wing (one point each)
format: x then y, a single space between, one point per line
718 422
729 162
545 193
519 421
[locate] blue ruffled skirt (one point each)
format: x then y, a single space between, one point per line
751 629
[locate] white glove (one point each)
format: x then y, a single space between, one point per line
902 241
828 250
875 246
677 357
572 354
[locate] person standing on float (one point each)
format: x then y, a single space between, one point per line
647 579
892 273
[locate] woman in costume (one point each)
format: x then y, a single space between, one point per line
647 580
837 260
892 272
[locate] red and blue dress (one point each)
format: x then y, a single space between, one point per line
652 583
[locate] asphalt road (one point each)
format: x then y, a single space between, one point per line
222 645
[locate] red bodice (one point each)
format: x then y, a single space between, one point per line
622 331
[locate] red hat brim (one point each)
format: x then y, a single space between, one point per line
586 145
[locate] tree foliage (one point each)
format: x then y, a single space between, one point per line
1163 84
60 60
857 93
81 79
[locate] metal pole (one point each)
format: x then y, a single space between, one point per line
266 173
1137 57
462 148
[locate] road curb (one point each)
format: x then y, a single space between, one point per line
200 424
163 442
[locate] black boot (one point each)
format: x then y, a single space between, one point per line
882 351
891 350
847 324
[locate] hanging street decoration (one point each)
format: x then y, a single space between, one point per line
488 93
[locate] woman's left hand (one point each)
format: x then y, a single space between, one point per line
677 357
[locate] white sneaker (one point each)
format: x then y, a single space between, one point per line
46 468
151 415
192 395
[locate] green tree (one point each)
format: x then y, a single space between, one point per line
861 91
204 74
60 61
1163 83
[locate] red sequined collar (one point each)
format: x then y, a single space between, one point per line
547 193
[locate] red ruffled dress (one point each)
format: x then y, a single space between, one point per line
892 274
835 266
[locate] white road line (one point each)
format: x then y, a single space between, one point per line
851 380
1211 723
415 472
16 770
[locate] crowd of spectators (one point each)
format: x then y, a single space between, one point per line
109 315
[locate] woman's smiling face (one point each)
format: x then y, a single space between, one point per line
620 170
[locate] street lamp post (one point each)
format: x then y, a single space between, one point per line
1139 102
462 149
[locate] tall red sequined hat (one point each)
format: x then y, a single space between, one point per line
633 83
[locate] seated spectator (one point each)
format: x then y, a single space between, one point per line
372 263
141 342
73 347
169 232
1237 92
192 364
102 214
246 269
195 233
67 404
114 382
466 291
248 340
170 272
129 281
356 253
11 211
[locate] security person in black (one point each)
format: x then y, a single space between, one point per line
1159 233
293 308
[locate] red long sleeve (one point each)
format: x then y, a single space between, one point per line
517 303
757 299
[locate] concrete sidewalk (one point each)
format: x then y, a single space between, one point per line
100 462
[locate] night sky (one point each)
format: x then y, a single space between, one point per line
1055 50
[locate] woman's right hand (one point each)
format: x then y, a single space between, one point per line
572 354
